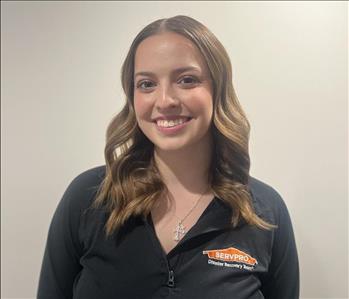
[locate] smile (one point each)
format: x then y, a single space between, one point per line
173 126
171 123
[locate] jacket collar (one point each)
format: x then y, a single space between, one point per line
216 217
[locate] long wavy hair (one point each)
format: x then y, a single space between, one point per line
132 183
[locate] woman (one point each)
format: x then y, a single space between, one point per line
174 213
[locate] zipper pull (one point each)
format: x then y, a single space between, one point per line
170 281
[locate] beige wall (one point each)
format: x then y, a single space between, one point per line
60 67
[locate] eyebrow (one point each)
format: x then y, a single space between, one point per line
176 71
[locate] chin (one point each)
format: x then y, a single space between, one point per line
170 146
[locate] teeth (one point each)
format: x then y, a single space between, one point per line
170 123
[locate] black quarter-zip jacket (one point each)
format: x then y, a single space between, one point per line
212 261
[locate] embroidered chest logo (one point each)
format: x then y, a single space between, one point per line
230 257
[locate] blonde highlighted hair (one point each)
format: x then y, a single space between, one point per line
132 183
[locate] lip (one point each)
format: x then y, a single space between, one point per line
172 130
170 117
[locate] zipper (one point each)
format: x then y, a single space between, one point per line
170 281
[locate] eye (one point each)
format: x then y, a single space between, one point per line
189 80
145 84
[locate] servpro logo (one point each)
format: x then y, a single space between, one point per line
230 257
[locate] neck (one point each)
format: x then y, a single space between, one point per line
184 170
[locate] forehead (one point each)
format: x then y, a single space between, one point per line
167 50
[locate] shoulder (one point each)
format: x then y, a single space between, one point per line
82 189
66 224
88 179
267 201
282 277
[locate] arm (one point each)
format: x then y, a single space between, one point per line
60 264
282 281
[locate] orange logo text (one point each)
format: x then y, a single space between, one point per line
231 254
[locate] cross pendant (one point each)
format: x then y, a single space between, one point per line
179 231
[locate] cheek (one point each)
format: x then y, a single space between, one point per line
142 107
202 104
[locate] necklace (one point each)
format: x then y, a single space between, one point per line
179 231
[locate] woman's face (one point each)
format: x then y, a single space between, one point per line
172 92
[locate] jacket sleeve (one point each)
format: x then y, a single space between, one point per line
282 281
60 264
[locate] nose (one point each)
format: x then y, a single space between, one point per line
166 98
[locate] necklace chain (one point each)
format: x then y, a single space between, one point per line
180 231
